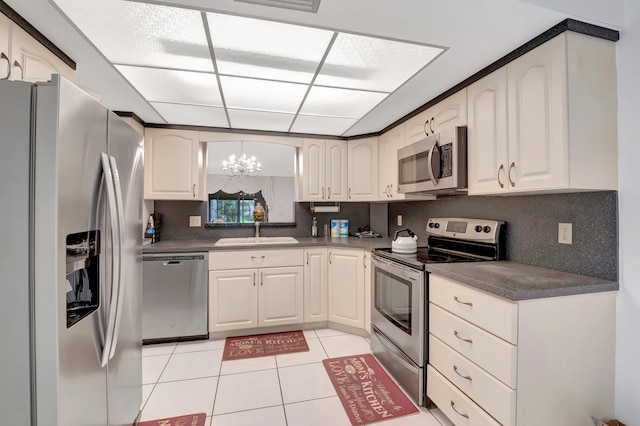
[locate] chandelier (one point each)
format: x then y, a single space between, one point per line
243 166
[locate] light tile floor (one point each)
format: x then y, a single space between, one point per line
281 390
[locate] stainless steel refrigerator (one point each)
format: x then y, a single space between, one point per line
70 259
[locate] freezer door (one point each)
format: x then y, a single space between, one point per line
70 135
124 382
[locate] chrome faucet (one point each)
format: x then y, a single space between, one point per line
257 229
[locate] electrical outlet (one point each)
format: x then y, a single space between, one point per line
194 221
399 220
564 233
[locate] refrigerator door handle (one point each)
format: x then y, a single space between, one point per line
115 250
121 266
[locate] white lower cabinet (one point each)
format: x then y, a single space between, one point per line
250 296
315 285
540 361
346 287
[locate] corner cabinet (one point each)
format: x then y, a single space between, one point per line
497 362
363 169
556 106
22 57
346 287
249 289
175 165
323 169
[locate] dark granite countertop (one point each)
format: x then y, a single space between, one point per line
516 281
187 246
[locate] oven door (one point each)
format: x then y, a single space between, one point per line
398 310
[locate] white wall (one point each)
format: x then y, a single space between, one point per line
628 306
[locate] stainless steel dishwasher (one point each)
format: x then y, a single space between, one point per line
174 297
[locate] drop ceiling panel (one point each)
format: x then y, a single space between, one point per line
134 33
340 102
268 50
191 115
367 63
260 120
246 93
320 125
160 85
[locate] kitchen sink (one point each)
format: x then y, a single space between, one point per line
255 241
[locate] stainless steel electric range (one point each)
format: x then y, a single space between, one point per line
400 293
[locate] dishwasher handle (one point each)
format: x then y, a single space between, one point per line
171 262
173 259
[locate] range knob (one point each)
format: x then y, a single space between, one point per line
478 228
436 225
486 229
430 224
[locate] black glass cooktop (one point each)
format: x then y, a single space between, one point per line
422 256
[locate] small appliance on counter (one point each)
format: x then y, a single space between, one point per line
154 226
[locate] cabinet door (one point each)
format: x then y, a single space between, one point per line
450 112
280 296
174 162
315 285
363 169
233 299
336 170
417 127
388 145
5 64
538 144
367 291
32 61
346 287
487 134
313 173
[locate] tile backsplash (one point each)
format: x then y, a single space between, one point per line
531 232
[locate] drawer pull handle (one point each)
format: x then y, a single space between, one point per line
455 333
466 416
460 301
257 257
455 368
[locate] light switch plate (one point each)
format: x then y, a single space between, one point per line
195 221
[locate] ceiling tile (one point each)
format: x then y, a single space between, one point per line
246 93
260 120
340 102
367 63
193 115
160 85
264 49
134 33
320 125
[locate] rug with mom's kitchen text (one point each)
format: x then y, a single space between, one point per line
366 391
186 420
243 347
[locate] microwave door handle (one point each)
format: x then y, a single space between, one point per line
430 164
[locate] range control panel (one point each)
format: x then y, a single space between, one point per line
481 230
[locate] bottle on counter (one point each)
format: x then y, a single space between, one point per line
314 228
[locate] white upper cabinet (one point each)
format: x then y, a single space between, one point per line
323 168
388 145
560 119
22 57
363 169
487 144
450 112
175 166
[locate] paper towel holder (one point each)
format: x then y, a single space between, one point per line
324 207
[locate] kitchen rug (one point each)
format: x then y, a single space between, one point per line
243 347
188 420
366 391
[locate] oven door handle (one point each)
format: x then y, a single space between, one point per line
406 273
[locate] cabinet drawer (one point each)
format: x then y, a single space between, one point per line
492 395
490 313
454 404
494 355
241 259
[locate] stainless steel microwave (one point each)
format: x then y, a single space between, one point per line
435 165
